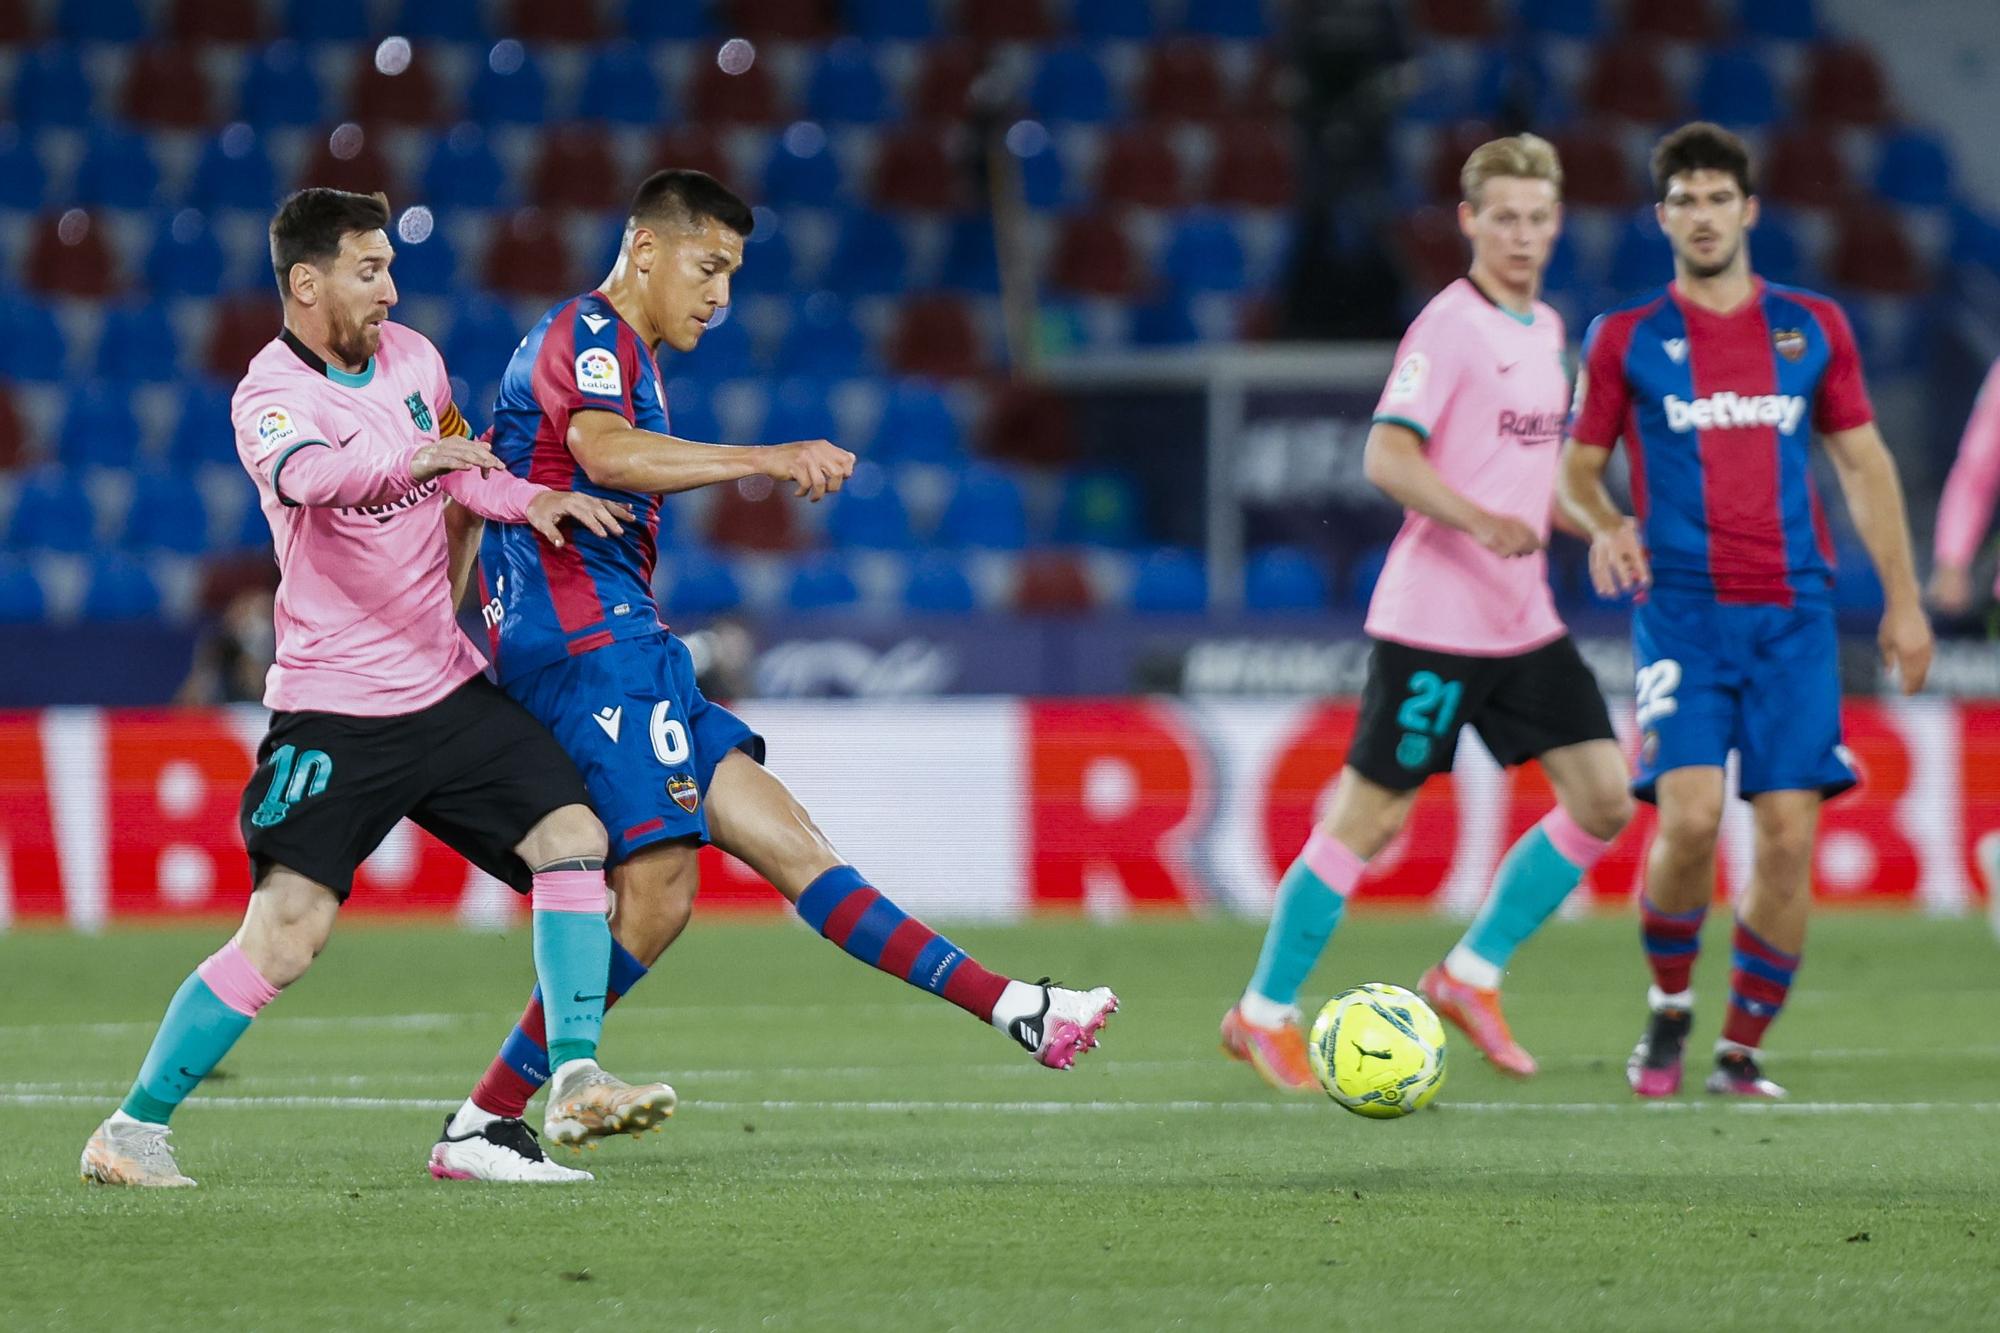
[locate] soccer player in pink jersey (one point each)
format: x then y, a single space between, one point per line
1965 510
379 706
1464 629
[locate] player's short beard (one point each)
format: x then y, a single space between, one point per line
350 344
1718 268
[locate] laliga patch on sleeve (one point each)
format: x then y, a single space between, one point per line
597 373
1408 379
275 427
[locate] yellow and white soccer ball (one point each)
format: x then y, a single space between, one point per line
1378 1050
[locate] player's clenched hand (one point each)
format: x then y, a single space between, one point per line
1906 644
546 512
816 467
1506 536
453 454
1618 561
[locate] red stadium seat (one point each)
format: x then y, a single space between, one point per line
577 169
166 86
1596 173
13 440
1872 254
1461 19
17 22
1183 82
1093 258
935 338
1803 167
540 21
242 326
1140 167
356 164
1254 166
753 515
1845 83
1629 81
786 20
1433 249
915 170
1052 583
1448 158
216 20
1026 423
944 82
529 257
1671 20
749 98
1005 20
71 255
408 98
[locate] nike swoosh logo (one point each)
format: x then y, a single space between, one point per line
349 440
580 998
1506 366
189 1074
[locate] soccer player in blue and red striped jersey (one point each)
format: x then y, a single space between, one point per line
578 639
1717 384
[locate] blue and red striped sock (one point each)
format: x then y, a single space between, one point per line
1758 983
1672 941
522 1065
843 907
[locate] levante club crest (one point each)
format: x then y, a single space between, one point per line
681 787
1791 343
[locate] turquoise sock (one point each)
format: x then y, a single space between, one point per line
1302 921
197 1032
1532 882
572 959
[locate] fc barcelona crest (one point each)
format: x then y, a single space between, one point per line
1791 343
681 787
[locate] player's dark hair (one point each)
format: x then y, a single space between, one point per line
685 198
1702 146
311 222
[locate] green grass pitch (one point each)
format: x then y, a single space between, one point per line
851 1154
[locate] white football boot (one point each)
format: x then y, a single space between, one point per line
498 1150
125 1151
586 1103
1067 1025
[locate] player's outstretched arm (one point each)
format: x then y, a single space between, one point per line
1617 556
618 456
1875 501
1395 463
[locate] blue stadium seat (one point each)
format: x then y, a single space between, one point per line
1129 20
317 21
234 172
917 427
119 21
1070 85
1514 84
869 257
483 335
465 172
1167 320
186 259
1975 237
139 343
21 599
1227 18
1775 248
1914 169
802 169
1204 255
1100 507
32 346
769 267
52 512
167 514
725 352
1044 174
1562 18
971 255
427 267
117 170
937 586
868 514
846 88
893 20
799 410
1642 258
620 86
202 430
690 414
1443 96
823 340
99 428
1362 572
441 20
1284 578
281 87
986 512
119 589
1779 20
1736 89
509 88
23 180
52 89
1171 581
703 584
650 21
821 583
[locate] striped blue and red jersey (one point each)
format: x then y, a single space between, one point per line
544 603
1717 412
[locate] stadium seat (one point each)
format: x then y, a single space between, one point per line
890 20
1045 177
140 343
690 413
32 346
1227 18
869 256
1203 254
1284 578
1779 20
1005 20
1093 258
426 267
1642 258
509 88
356 164
753 515
845 87
868 514
98 427
539 21
1872 254
935 337
722 98
986 511
577 168
1115 20
317 21
725 351
698 149
17 23
23 179
1431 248
821 582
1629 81
1449 150
916 426
1914 170
234 171
1514 85
770 268
167 514
1804 167
1052 583
409 96
649 21
1170 582
241 328
68 255
117 171
1253 166
802 170
186 259
1461 20
119 589
119 21
971 255
1027 423
799 409
530 256
1139 167
1070 85
280 87
913 170
1735 88
464 171
703 584
944 81
1562 18
1100 507
1164 320
22 601
1844 83
213 21
13 439
1775 250
51 89
1182 81
823 340
936 586
1596 172
52 512
165 87
1671 20
441 20
202 431
621 87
